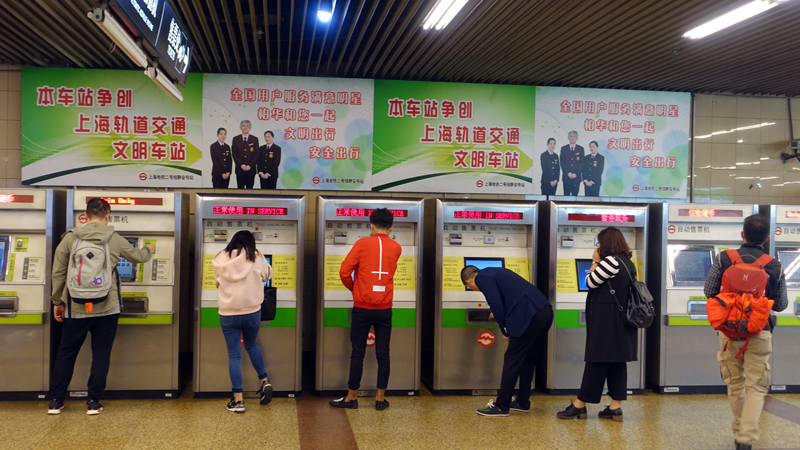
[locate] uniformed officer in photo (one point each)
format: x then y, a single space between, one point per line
221 161
269 158
550 169
245 155
593 171
572 164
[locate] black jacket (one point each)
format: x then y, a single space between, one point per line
608 339
512 299
550 169
593 168
269 160
221 159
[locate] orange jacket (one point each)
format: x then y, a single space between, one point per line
374 260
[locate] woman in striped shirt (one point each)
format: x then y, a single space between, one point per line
610 344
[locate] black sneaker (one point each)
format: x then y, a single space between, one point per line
93 407
55 407
340 403
515 406
236 406
492 410
613 414
740 446
381 405
265 392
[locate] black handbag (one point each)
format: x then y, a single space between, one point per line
640 312
270 304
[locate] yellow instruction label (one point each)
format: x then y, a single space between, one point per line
639 269
209 276
332 265
405 277
284 271
520 266
451 273
566 276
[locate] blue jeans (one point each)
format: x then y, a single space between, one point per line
235 328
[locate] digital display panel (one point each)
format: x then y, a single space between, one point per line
125 268
791 265
496 215
361 212
705 212
249 211
484 263
793 214
692 265
268 283
5 244
584 265
14 198
156 22
131 201
578 217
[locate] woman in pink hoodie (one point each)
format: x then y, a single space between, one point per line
241 273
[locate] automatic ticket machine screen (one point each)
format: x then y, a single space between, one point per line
126 269
584 266
268 283
790 259
4 248
483 263
690 264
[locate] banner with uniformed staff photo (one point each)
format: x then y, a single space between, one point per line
611 143
272 132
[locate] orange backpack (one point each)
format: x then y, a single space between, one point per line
740 310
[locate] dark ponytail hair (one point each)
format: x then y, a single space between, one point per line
243 241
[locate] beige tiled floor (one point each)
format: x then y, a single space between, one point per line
651 422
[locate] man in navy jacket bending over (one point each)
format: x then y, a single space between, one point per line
524 316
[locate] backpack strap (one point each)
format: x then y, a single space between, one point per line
733 255
764 260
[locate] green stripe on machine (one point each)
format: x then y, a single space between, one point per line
284 318
150 319
788 321
685 321
340 318
568 318
457 318
22 319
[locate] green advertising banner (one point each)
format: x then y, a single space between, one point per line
453 137
108 128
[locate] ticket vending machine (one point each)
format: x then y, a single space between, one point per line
146 354
31 224
343 221
277 223
681 345
467 352
569 231
785 246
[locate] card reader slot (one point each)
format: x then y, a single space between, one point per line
478 317
9 305
135 306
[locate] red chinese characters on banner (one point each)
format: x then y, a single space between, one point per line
482 159
617 108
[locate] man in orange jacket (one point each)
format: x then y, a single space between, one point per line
368 271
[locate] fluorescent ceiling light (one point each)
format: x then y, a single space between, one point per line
749 127
442 13
114 30
732 18
324 16
164 83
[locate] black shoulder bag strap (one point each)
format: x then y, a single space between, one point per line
613 292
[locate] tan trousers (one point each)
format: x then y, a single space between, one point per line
748 381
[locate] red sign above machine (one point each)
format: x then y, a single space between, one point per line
711 212
496 215
249 211
793 214
601 217
13 198
361 212
131 201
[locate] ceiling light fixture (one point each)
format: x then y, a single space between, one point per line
442 13
732 18
325 11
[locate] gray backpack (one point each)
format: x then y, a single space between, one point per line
89 273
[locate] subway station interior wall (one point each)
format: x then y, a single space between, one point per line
723 168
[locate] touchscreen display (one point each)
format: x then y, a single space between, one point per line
791 265
268 283
692 265
483 263
584 265
3 256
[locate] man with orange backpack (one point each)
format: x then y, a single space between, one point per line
743 287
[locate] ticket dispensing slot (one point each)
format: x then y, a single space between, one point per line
697 310
9 306
340 238
478 317
135 307
566 241
455 239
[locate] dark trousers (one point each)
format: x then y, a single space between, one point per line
269 183
219 182
363 320
549 190
520 359
245 180
592 191
103 330
595 375
572 186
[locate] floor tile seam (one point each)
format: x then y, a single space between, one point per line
782 409
308 406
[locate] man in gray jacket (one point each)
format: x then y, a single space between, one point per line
101 321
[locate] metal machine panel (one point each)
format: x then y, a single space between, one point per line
342 221
278 224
